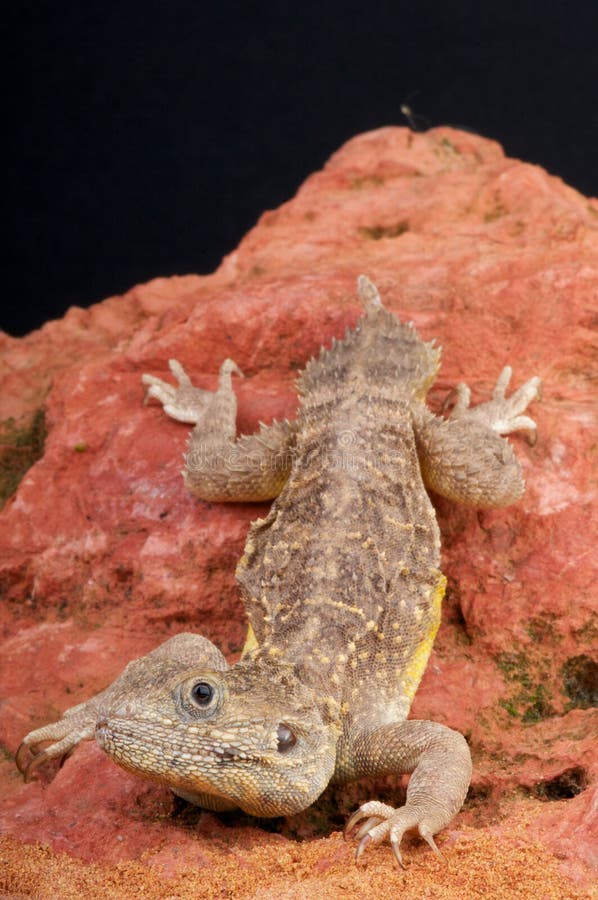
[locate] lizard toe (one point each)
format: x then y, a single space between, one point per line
373 809
376 822
366 827
28 761
428 837
378 832
63 736
28 758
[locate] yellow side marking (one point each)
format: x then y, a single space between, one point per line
250 641
416 666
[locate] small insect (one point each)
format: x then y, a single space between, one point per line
414 120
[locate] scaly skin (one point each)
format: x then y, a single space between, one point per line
342 588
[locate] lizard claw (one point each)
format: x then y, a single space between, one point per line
27 767
77 724
28 758
21 759
395 845
374 812
366 839
429 839
385 822
366 827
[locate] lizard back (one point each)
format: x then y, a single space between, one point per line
341 578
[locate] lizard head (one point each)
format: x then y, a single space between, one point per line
250 736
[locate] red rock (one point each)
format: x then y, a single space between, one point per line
103 555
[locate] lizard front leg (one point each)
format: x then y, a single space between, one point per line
440 761
218 467
464 457
79 723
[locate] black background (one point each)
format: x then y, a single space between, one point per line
145 140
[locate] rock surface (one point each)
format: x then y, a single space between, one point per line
103 555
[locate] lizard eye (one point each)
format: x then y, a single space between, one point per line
286 738
202 693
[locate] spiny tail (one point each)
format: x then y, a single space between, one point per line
380 346
368 294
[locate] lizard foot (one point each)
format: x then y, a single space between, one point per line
502 414
185 403
77 724
378 822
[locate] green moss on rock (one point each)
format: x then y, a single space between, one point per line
19 449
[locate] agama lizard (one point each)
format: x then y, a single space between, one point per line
342 588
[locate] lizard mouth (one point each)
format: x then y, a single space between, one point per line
113 731
229 755
132 744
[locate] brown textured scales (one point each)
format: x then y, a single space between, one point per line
342 588
332 597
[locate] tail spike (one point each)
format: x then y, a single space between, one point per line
368 293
